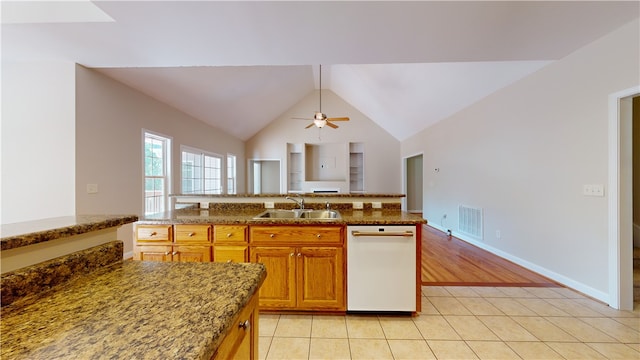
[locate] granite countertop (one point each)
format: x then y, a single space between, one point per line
317 195
32 232
132 310
245 216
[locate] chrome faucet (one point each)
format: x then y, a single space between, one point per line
299 202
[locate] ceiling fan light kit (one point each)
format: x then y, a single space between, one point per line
320 119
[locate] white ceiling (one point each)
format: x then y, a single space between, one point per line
239 65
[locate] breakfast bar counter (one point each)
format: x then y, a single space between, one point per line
132 310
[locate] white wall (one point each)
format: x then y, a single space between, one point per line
382 164
110 121
38 147
524 153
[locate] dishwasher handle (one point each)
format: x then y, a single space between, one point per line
382 233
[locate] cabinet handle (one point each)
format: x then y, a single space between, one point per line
318 236
153 233
291 254
229 261
167 253
229 235
299 254
245 325
191 234
174 253
272 235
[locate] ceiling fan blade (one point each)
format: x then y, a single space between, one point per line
339 119
299 118
332 125
310 125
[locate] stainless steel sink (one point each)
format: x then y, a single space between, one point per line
320 214
299 214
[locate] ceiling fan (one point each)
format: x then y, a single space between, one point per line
319 118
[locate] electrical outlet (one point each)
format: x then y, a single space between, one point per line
444 216
376 205
92 188
204 205
269 205
498 234
358 205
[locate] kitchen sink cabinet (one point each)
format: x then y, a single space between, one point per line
183 243
305 267
230 243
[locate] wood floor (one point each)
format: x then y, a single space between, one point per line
448 261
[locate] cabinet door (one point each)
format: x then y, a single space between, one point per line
278 289
226 253
320 278
183 253
152 253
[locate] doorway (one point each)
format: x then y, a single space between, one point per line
413 183
621 282
264 176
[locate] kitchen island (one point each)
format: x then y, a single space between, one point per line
132 310
92 304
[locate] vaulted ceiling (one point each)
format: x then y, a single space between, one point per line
238 65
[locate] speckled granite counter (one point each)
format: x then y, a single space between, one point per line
34 232
245 216
131 310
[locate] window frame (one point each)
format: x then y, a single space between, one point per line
202 179
166 164
231 178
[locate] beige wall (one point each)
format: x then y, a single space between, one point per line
382 163
110 118
38 148
524 153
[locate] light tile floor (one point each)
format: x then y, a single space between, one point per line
463 323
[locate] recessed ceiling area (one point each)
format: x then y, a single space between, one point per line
239 65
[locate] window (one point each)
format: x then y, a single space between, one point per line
231 174
156 172
201 172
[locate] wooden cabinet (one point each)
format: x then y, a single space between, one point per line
184 243
230 243
241 342
305 266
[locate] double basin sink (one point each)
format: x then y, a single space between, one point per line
302 214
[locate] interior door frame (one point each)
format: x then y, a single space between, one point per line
620 222
404 203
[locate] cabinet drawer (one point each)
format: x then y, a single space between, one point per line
193 233
230 253
154 233
230 233
296 234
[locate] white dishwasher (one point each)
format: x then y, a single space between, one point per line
381 268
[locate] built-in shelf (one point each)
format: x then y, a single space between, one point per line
356 167
295 167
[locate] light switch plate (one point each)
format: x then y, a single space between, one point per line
593 190
269 205
357 205
92 188
376 205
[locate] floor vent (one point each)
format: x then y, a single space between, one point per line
470 221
